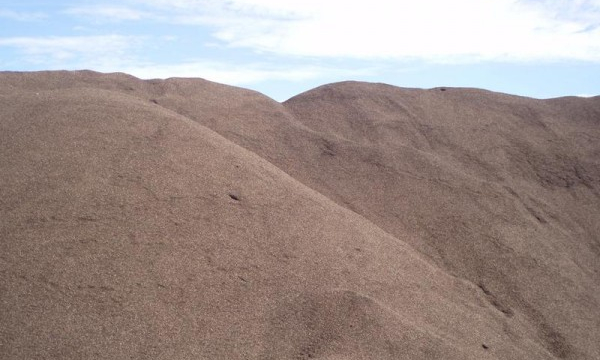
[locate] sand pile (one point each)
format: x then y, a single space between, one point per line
183 219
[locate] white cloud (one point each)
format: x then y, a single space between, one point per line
434 30
21 16
442 31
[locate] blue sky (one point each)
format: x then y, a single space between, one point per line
537 48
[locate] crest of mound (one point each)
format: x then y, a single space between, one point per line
500 174
244 116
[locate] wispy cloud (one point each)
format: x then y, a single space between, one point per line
22 16
108 12
70 50
581 11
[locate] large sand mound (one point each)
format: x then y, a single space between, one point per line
183 219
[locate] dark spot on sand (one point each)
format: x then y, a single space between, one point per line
536 215
484 289
328 148
508 312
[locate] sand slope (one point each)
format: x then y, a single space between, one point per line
184 219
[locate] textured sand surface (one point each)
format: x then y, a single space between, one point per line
184 219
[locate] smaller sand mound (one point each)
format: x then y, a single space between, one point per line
345 324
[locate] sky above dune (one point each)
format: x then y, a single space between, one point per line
537 48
